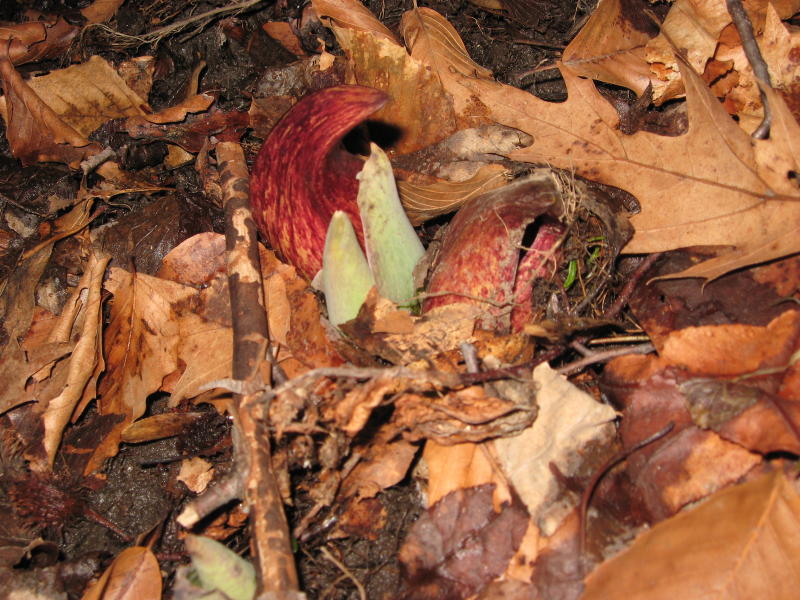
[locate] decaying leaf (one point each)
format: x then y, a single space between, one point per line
742 543
460 544
568 420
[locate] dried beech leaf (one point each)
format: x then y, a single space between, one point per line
433 40
460 544
87 95
425 201
743 543
134 574
162 335
34 131
58 410
610 47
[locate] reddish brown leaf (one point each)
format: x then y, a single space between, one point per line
32 41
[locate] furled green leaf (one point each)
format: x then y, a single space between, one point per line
393 248
346 277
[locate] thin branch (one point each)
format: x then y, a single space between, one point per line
745 28
603 356
601 472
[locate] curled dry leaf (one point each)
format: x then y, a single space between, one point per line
743 543
133 574
424 201
303 174
58 410
460 544
32 41
610 46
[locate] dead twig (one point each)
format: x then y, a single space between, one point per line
603 356
601 472
362 594
253 479
756 60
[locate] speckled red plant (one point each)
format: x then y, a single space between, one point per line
303 173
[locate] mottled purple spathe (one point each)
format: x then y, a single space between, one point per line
303 173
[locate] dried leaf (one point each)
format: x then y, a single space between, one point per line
429 200
32 41
101 11
34 131
743 543
568 421
351 14
82 362
679 385
434 41
134 574
460 544
696 26
87 95
196 473
610 47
